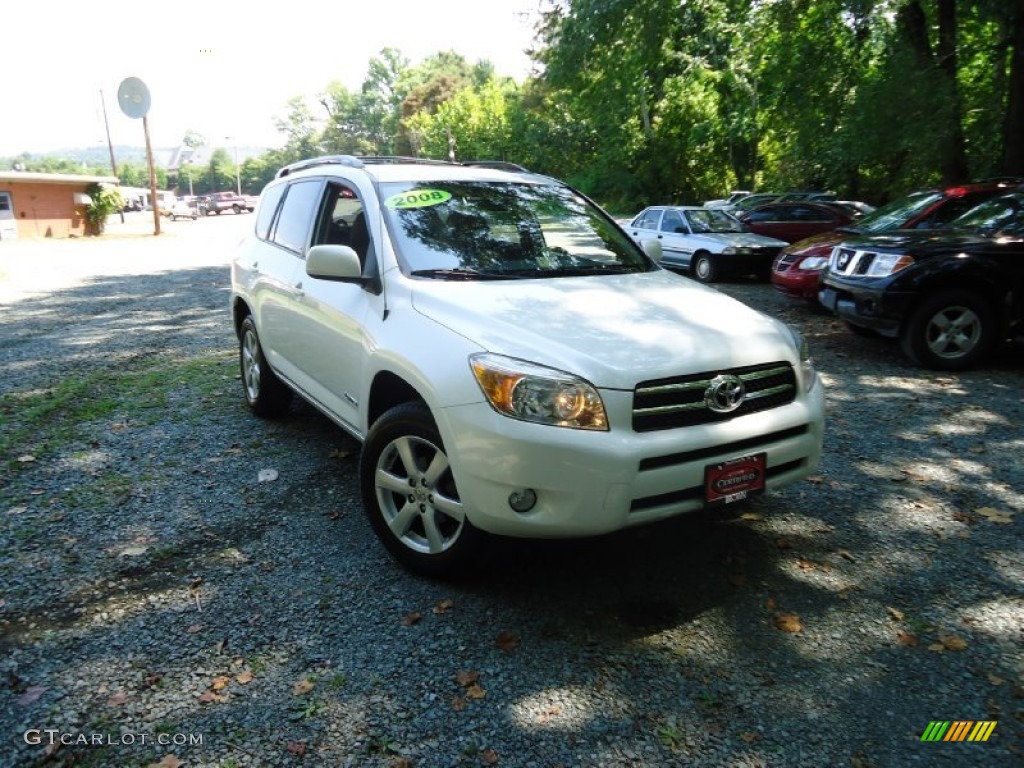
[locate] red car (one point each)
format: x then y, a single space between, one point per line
795 220
797 269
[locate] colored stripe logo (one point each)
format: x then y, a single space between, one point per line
959 730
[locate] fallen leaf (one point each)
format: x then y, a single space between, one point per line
769 604
337 453
952 642
995 679
750 736
816 479
895 613
507 641
31 695
220 682
244 677
26 457
937 647
467 677
193 628
267 475
906 638
208 697
805 565
458 703
475 692
914 475
963 517
751 516
117 699
489 757
411 618
401 762
302 687
444 606
167 761
788 622
846 555
297 748
995 515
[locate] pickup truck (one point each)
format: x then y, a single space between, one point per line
218 202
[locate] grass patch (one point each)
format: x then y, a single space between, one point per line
42 422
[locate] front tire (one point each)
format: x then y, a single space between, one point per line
265 394
409 493
704 267
950 331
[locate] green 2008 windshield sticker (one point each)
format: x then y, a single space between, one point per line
418 198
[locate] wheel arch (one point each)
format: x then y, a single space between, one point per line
388 390
996 296
239 311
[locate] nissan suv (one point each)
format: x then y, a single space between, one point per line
511 361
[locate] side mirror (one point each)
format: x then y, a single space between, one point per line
334 262
653 250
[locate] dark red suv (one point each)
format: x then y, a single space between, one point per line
797 269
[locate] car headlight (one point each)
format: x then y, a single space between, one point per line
807 372
536 393
885 264
736 249
813 263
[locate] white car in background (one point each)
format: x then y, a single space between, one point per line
709 242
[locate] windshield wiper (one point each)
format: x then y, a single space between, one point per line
591 269
456 274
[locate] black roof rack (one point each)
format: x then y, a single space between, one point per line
354 161
497 165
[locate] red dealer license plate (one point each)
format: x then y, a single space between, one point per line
734 480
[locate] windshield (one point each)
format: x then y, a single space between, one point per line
712 220
500 230
1002 215
897 213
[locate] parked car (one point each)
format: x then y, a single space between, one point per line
510 359
734 197
797 269
707 242
183 210
752 201
949 295
795 221
806 195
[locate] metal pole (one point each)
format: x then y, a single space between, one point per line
110 144
152 178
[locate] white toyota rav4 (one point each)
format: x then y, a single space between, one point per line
510 359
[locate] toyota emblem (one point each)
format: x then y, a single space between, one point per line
725 393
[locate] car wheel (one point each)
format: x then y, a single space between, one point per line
704 267
409 493
949 331
265 394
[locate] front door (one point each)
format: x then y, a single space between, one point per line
8 225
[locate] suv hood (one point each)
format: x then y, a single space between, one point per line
607 329
924 243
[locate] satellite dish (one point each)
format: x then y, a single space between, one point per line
133 97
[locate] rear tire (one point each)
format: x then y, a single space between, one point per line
409 494
949 331
704 268
265 394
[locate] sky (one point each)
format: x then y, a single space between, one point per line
222 69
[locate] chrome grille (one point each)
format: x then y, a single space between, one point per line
850 261
679 401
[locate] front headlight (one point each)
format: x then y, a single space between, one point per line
813 263
737 250
536 393
885 264
806 372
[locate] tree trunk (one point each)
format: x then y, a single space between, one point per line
1013 127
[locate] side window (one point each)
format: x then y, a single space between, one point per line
767 214
956 208
342 220
268 207
649 219
672 221
296 217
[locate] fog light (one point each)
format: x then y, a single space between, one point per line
522 500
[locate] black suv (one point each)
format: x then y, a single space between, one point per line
948 295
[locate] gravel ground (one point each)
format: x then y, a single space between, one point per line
162 605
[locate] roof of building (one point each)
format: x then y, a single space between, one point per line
55 178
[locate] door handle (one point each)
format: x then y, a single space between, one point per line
297 290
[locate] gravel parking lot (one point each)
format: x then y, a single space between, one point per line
182 584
